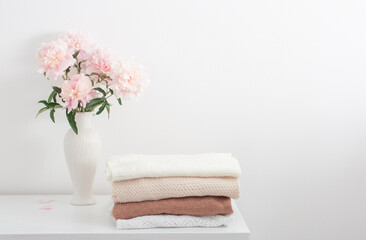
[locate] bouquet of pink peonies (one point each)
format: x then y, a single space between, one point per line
85 76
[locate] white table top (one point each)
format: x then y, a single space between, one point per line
23 217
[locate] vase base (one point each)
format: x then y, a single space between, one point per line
88 202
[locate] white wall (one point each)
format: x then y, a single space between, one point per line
280 84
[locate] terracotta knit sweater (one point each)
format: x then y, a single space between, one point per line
195 206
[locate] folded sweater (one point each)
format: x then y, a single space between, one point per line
199 165
144 189
195 206
174 221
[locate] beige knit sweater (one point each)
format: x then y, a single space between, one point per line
144 189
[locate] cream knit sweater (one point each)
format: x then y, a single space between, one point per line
144 189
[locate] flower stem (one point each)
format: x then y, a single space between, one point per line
77 65
80 107
109 95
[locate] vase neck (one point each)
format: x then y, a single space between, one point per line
83 119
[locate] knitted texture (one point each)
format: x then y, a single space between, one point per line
195 206
144 189
199 165
174 221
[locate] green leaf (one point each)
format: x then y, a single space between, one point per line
52 96
108 109
81 63
90 106
67 71
53 105
44 102
101 108
112 92
100 90
95 101
76 54
52 115
56 89
42 110
119 101
71 118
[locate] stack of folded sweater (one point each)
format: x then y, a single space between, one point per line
173 190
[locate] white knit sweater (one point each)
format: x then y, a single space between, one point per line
174 221
199 165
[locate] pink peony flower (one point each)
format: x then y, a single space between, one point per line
78 41
100 61
55 57
77 89
129 79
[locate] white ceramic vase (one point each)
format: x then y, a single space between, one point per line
82 153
